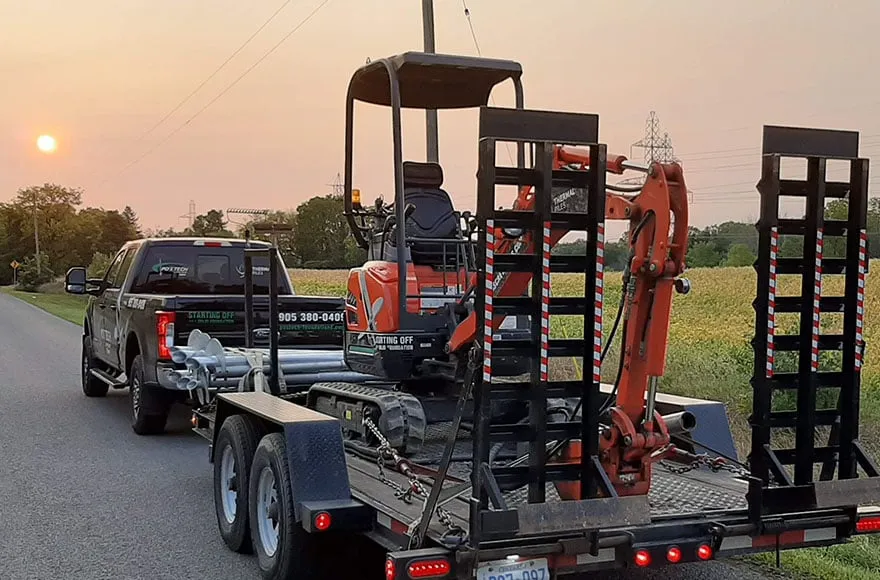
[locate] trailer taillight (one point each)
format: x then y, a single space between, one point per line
704 552
868 525
429 568
322 521
165 333
673 554
642 559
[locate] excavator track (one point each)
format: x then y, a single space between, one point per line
399 416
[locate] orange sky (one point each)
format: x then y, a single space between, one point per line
98 74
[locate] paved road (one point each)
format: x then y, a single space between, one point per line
83 497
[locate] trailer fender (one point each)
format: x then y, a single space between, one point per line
315 453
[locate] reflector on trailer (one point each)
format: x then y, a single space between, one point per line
322 521
868 525
390 569
704 552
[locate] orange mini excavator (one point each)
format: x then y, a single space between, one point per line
411 318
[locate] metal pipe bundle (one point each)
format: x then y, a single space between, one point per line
211 365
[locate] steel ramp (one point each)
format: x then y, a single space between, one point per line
793 469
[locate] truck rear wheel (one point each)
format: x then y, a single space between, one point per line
149 405
233 454
92 386
284 549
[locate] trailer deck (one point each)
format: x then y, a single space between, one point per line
700 492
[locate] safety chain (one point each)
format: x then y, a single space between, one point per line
416 488
716 464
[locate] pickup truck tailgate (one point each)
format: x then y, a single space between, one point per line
302 320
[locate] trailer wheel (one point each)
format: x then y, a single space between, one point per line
284 549
92 386
233 454
149 405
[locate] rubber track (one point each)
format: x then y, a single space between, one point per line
401 416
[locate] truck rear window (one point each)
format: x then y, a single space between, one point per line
201 270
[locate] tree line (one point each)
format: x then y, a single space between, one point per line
736 243
313 235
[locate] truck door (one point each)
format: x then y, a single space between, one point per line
106 311
113 311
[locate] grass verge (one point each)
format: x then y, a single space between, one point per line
67 306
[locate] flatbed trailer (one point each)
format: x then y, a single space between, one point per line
479 496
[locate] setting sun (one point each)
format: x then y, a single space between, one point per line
46 143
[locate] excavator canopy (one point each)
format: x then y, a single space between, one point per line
432 81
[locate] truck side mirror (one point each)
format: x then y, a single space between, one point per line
75 281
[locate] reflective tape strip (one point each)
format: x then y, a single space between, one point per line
490 291
545 304
771 300
860 298
598 303
769 541
390 523
817 295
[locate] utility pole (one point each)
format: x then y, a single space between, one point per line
36 234
433 147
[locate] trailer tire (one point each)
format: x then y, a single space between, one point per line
290 552
236 443
150 405
92 386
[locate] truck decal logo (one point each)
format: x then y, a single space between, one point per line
136 303
257 270
170 268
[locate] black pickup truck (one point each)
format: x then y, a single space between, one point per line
156 291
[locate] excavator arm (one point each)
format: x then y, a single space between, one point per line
656 261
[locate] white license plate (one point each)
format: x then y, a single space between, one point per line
535 569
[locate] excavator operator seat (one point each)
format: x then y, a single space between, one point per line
433 217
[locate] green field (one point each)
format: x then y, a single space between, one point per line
709 357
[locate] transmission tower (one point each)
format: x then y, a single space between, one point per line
190 215
655 146
338 187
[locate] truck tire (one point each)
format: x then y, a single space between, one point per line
284 550
91 385
233 454
149 405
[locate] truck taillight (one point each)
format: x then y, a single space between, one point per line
165 333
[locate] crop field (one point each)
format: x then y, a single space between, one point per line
710 356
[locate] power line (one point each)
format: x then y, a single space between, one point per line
223 92
217 70
467 15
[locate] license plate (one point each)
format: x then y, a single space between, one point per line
535 569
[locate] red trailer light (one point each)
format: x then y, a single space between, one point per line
390 569
322 521
673 554
429 569
704 552
165 333
642 559
868 525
